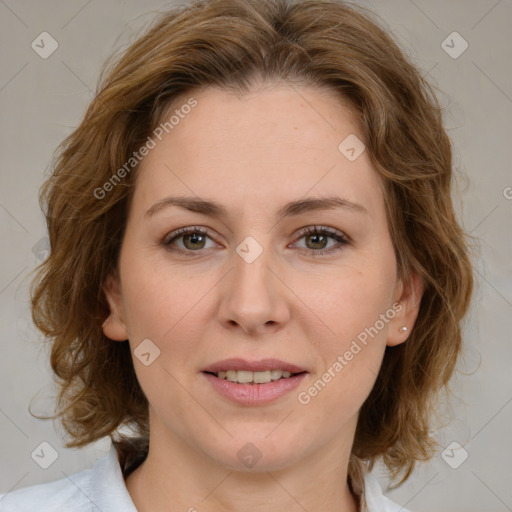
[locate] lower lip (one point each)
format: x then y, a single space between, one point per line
254 394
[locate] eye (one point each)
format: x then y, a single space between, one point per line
319 236
193 239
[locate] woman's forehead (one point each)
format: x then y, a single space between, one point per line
274 143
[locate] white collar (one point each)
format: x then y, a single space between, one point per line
109 492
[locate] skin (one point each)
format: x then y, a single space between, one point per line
253 154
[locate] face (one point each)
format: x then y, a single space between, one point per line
315 288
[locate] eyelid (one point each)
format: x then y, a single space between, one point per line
340 237
321 229
180 232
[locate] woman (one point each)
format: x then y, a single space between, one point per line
255 265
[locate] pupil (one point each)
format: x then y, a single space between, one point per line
195 238
316 237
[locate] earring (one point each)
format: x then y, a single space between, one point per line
403 328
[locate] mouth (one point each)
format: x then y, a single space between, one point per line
254 383
250 377
263 371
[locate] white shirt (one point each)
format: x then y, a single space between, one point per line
102 489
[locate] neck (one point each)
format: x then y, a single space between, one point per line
176 477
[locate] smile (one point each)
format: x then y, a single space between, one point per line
248 377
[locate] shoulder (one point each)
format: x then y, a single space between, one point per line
375 499
100 488
63 494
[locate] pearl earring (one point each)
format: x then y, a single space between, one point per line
403 328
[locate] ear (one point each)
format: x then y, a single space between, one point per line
409 298
114 326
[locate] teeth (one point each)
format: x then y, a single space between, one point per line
246 377
276 374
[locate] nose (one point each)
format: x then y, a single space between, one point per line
254 297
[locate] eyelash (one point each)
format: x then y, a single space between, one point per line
311 230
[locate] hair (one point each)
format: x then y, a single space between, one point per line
232 45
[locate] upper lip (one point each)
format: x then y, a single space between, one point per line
253 366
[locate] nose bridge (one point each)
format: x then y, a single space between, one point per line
253 297
250 278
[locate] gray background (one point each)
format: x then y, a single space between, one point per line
42 100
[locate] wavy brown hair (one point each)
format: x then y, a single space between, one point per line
232 44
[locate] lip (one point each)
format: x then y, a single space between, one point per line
253 366
254 394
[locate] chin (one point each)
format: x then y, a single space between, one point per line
255 453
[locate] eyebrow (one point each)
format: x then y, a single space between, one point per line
214 209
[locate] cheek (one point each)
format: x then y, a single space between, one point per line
168 308
334 397
354 299
159 297
357 308
350 358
